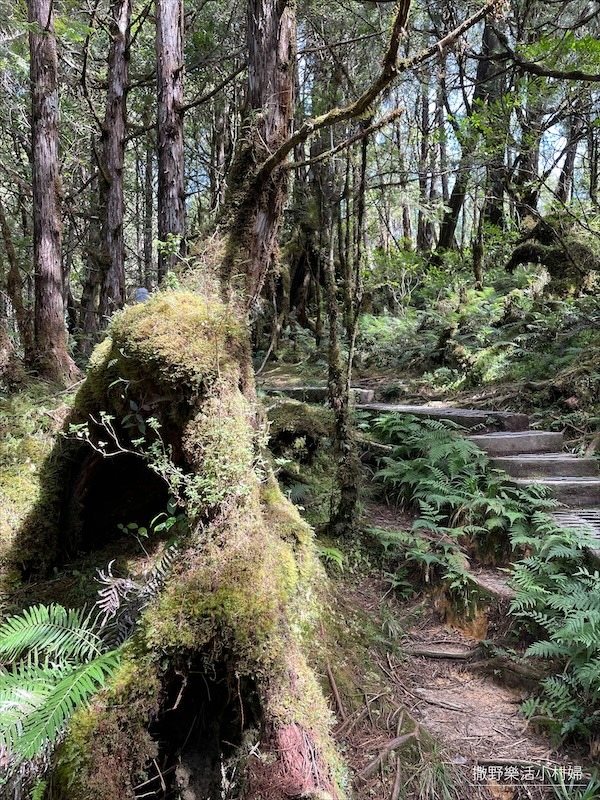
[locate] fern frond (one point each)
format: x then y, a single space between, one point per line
46 722
50 631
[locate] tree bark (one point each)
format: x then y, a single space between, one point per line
14 287
52 358
564 189
484 91
254 229
89 326
171 182
425 233
148 216
111 158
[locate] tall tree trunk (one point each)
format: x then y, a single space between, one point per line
53 360
148 216
485 90
220 139
89 323
171 183
111 163
564 189
424 226
594 160
254 228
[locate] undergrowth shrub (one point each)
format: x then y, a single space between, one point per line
446 478
52 661
558 601
461 501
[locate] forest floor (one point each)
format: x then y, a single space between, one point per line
428 669
456 731
423 673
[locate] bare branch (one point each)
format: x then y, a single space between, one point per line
391 68
347 142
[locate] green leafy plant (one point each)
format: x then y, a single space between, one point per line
434 470
558 601
574 789
53 660
331 555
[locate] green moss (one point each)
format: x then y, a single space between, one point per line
219 445
187 339
172 347
235 588
28 422
301 419
108 744
245 592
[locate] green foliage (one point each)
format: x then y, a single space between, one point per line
387 341
457 337
557 596
446 478
49 631
331 556
574 789
53 661
558 601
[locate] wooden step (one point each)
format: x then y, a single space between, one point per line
466 417
518 442
317 394
586 519
551 465
573 492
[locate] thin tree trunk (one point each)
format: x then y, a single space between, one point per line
53 360
148 216
14 287
565 181
111 164
90 294
485 90
594 160
424 228
171 182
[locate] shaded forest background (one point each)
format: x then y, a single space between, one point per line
451 173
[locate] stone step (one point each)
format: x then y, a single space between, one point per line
573 492
551 465
317 394
587 519
518 442
467 417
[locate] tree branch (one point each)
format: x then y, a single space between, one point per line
545 72
390 69
347 142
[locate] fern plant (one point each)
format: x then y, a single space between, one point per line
52 661
558 599
434 470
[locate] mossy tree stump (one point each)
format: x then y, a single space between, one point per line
215 685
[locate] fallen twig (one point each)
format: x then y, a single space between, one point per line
336 694
452 654
374 765
397 781
351 723
439 703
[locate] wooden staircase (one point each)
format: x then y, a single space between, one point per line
527 456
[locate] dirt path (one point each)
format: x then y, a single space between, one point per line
470 740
